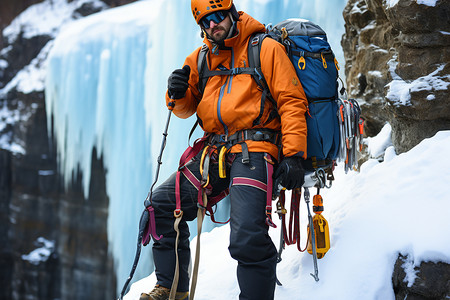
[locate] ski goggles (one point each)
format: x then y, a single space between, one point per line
216 17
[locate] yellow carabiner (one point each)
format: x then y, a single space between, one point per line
222 167
301 61
202 161
324 62
336 63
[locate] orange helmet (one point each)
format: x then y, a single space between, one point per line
201 8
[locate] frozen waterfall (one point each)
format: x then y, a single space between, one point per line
107 75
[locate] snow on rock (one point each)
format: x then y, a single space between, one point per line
42 253
427 2
374 215
45 18
377 145
32 77
399 90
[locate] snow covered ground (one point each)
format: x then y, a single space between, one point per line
396 206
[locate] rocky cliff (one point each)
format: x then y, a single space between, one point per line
53 240
397 54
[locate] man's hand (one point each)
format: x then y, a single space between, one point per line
290 173
178 82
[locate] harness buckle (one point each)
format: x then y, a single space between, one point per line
236 71
201 206
177 213
223 138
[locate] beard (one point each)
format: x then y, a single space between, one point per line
219 34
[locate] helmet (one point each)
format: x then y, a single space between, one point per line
201 8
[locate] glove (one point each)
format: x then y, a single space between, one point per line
290 173
178 82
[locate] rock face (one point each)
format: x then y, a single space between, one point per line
426 282
10 9
397 55
53 240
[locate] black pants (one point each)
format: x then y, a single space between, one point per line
250 243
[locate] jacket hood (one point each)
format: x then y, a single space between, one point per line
245 26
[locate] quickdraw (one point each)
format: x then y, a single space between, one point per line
351 127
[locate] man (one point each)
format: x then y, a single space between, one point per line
231 112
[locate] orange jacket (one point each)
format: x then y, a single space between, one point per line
231 103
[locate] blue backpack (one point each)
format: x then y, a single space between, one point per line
316 66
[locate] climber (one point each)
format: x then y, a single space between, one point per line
244 138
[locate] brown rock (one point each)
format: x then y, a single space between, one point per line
412 40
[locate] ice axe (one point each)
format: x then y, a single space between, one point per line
147 224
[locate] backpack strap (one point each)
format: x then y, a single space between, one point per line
254 69
254 60
204 72
201 65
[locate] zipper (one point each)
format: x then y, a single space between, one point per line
219 104
222 91
231 67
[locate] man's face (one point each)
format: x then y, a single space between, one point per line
219 31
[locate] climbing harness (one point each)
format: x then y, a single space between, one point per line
147 224
203 185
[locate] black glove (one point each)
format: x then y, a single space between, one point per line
178 82
290 173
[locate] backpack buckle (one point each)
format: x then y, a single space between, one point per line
255 41
236 71
259 75
259 136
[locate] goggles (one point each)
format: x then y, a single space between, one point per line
216 17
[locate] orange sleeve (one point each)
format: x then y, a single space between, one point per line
187 106
287 91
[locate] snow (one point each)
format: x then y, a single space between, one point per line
375 74
377 145
427 2
391 3
374 215
42 253
3 64
399 90
45 18
32 77
411 273
8 117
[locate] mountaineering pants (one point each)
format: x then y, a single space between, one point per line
250 243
